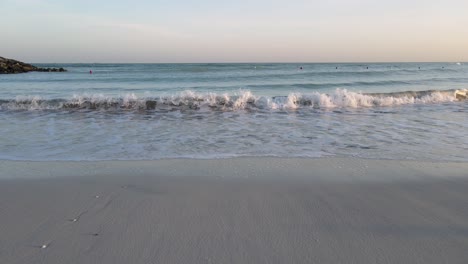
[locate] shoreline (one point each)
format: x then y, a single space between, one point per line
337 168
243 210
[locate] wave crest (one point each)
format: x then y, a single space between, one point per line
226 102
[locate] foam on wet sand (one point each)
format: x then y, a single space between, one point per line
243 210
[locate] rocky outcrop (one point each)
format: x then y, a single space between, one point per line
9 66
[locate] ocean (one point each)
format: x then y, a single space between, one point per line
158 111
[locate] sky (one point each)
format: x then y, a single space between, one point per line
234 31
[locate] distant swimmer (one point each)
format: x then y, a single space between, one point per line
367 67
336 68
300 68
419 67
90 72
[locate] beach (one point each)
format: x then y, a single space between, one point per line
240 210
211 132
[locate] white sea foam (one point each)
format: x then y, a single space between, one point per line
389 132
241 100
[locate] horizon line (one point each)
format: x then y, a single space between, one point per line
253 62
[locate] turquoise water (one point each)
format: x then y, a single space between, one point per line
154 111
260 79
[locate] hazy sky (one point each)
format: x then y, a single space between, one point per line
234 31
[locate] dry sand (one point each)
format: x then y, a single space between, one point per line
262 210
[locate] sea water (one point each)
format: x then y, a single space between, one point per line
157 111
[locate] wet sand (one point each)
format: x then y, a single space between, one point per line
261 210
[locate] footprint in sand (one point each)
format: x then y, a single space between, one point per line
43 246
91 234
77 217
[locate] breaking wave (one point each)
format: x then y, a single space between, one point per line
225 102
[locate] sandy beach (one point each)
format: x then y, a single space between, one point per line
243 210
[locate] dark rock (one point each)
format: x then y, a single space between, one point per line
150 104
9 66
